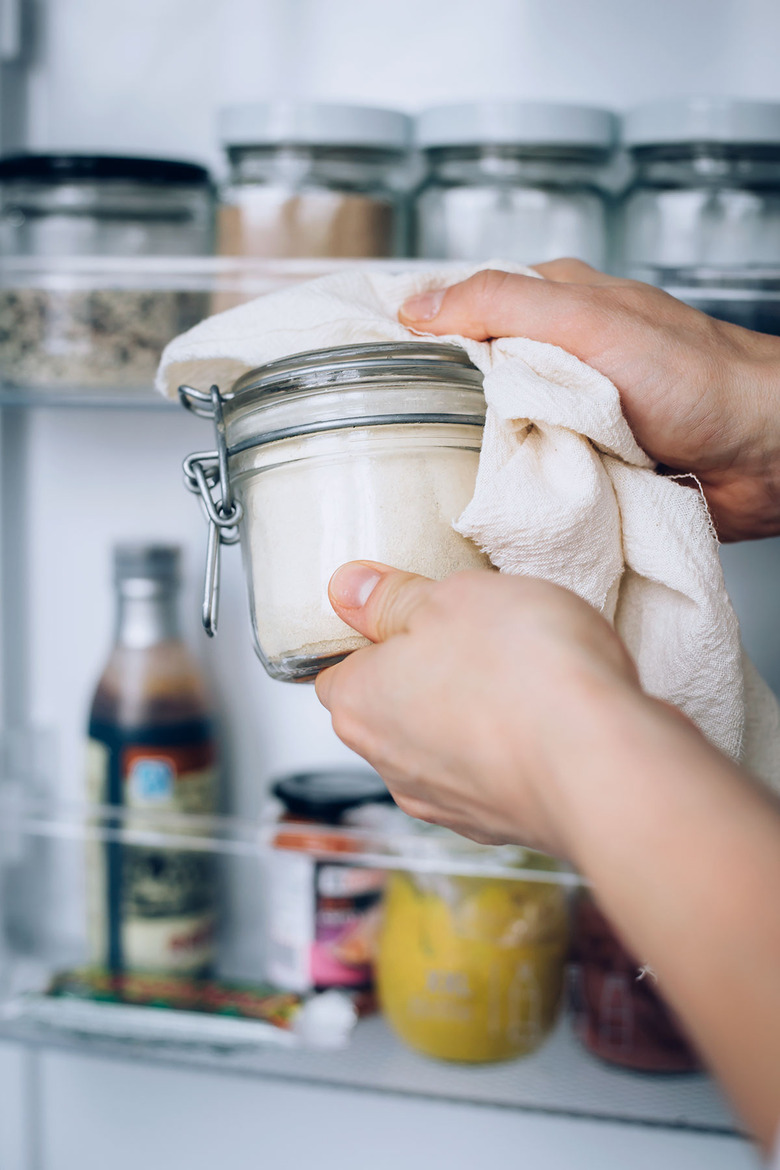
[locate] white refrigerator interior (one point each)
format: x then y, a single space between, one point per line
147 76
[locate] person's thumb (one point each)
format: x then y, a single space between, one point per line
504 304
376 600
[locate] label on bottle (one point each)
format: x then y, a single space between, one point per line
151 907
323 920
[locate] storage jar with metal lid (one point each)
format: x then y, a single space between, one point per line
520 180
706 189
313 179
104 205
366 452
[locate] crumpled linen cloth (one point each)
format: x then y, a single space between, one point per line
563 490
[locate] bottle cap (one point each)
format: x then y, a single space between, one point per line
287 123
702 119
149 562
516 124
72 168
326 795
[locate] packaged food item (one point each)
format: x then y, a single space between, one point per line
151 750
471 968
360 452
525 181
619 1013
313 179
322 913
179 993
74 311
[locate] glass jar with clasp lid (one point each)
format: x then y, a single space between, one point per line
366 452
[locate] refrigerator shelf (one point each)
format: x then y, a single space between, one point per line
561 1078
44 950
89 331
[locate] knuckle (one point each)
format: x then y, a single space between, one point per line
568 268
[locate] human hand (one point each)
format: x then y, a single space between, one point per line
480 689
701 396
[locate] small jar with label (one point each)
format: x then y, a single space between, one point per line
523 181
322 913
471 968
313 179
366 452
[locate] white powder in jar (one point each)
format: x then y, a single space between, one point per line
388 493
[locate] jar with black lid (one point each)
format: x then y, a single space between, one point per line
104 205
523 181
323 913
313 179
364 452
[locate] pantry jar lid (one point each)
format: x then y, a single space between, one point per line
329 793
323 367
69 168
702 119
349 386
291 123
508 123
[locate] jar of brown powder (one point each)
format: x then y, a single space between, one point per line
313 179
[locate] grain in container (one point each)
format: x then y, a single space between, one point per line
524 181
89 295
363 452
313 179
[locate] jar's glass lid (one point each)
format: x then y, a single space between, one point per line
69 168
330 793
344 365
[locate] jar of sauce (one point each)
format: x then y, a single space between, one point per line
322 912
471 968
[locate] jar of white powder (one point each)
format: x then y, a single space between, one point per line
366 452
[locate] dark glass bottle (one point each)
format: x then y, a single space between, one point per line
151 750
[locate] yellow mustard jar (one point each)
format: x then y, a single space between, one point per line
471 968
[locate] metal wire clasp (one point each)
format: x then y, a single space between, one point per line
206 475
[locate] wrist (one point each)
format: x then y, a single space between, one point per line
601 765
745 496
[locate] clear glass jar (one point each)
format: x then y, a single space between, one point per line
521 181
706 190
471 968
100 205
367 452
310 179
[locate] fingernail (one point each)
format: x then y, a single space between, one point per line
423 307
353 584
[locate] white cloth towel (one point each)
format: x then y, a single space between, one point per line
563 491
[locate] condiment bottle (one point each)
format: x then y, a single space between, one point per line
151 750
322 914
